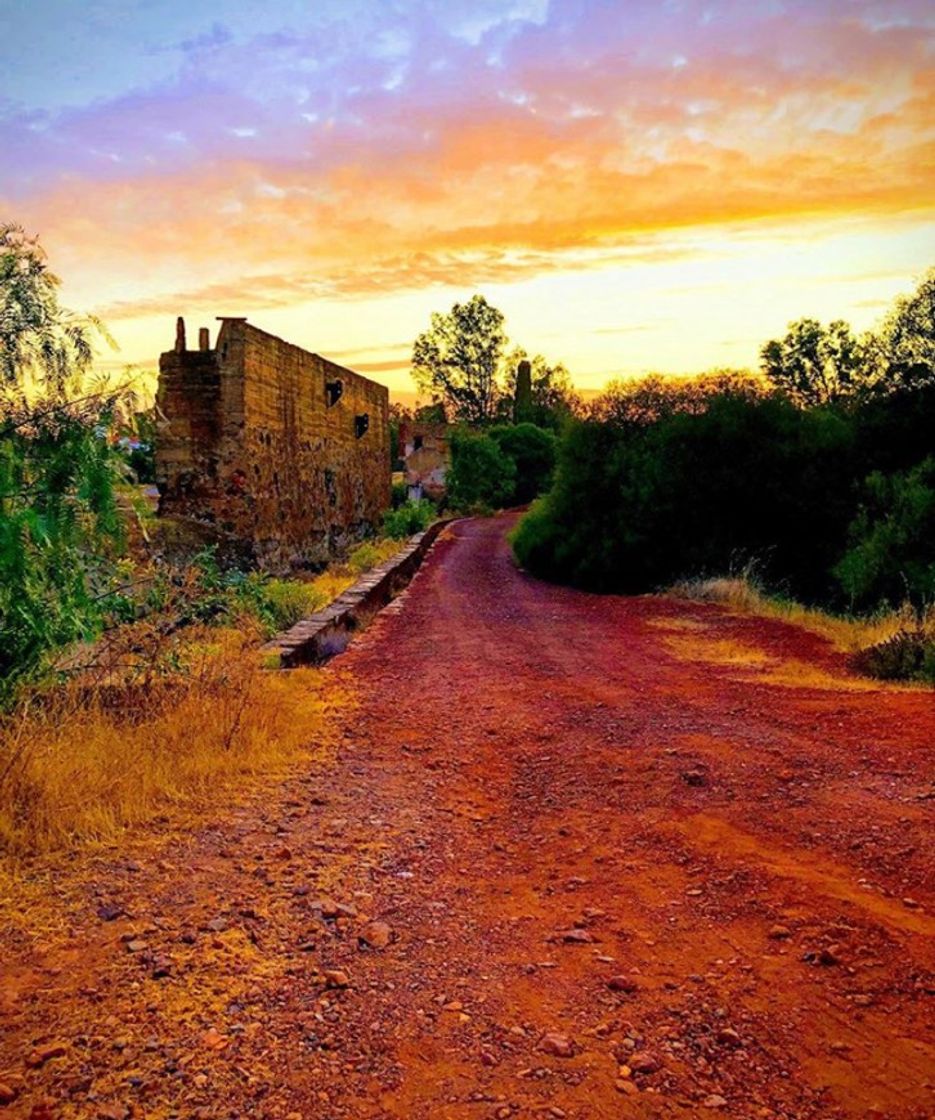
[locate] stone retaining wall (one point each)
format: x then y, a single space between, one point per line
328 631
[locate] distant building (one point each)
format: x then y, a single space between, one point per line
275 449
426 456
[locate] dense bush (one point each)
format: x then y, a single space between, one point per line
481 476
409 518
532 451
892 540
637 505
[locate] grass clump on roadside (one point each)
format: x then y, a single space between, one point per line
888 644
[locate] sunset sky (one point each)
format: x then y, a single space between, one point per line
638 184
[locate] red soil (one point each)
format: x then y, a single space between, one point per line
601 832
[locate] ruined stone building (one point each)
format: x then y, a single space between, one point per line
274 449
426 455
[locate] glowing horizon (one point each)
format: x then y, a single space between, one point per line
637 185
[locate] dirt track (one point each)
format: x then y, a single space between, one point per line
600 832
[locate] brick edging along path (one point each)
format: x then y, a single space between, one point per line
328 631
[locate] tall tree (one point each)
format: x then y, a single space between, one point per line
552 399
458 359
815 364
58 515
906 341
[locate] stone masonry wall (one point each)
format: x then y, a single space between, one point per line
275 449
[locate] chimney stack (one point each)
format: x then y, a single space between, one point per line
180 335
203 338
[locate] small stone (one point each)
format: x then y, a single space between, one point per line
113 1112
714 1100
109 912
576 936
558 1045
137 946
779 933
43 1054
626 1087
829 956
727 1036
335 978
376 934
644 1063
694 778
212 1039
911 903
622 984
162 967
216 925
8 1093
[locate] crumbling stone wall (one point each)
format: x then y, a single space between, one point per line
278 450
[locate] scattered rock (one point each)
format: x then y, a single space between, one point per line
216 925
575 936
8 1093
829 956
779 933
376 934
162 967
43 1054
212 1039
113 1112
335 978
627 1087
714 1100
727 1036
643 1063
694 778
911 903
137 945
622 984
558 1045
109 911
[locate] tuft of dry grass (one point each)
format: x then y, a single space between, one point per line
82 764
847 634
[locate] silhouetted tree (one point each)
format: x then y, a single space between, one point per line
458 359
906 341
814 364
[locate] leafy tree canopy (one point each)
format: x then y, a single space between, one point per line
814 364
458 359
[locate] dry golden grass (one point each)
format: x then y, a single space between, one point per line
846 634
83 765
158 723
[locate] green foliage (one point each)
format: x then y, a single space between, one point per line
364 557
60 579
458 359
906 341
814 364
481 476
908 655
532 451
413 517
892 540
636 505
399 495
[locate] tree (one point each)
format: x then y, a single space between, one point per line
58 516
906 341
814 364
552 401
480 475
532 450
458 359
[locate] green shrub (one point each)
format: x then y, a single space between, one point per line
413 517
399 494
908 655
892 540
481 476
363 558
532 451
637 505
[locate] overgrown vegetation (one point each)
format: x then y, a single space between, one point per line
820 473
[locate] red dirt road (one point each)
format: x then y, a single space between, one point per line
633 858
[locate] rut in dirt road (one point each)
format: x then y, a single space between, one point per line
572 856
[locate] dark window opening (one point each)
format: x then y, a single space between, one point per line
361 424
333 392
417 443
